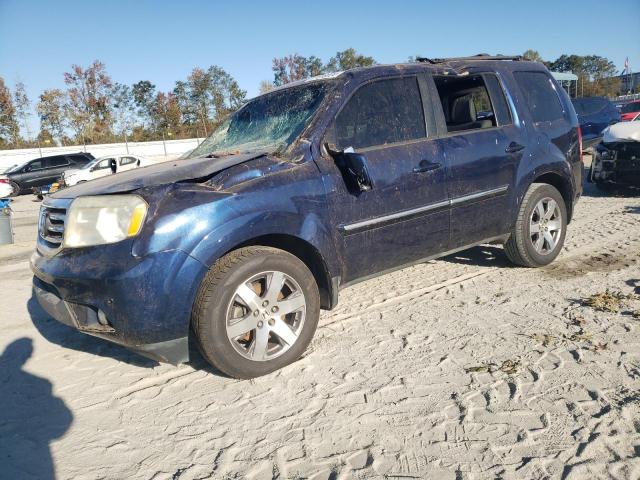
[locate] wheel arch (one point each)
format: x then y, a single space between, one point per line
306 253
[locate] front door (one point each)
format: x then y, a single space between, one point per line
405 215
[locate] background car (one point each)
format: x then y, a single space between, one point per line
630 110
594 114
103 166
43 171
616 160
6 189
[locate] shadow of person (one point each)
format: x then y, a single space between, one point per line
30 417
68 337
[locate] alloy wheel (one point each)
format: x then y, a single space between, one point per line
545 226
265 316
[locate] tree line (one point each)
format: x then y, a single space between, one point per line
92 108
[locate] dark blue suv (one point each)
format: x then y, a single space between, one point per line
307 189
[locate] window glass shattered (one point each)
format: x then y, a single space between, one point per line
269 123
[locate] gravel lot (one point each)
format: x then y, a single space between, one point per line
460 368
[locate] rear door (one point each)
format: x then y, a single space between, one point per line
404 217
483 146
55 167
102 168
127 163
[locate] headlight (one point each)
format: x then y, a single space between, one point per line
103 219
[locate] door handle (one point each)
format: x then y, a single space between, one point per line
514 147
426 166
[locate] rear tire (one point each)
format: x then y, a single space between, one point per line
16 189
256 311
539 232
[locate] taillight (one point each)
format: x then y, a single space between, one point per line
4 180
580 143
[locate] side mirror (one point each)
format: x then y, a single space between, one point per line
354 169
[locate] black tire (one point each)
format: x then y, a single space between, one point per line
16 189
217 291
520 248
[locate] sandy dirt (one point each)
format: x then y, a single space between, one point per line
460 368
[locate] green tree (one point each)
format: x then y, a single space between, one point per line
207 96
9 128
347 59
144 93
123 107
88 94
596 75
23 107
533 56
51 111
291 68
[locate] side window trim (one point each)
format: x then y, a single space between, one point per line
493 93
384 145
515 118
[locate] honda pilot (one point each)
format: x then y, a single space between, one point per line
303 191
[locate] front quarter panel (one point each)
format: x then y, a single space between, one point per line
206 223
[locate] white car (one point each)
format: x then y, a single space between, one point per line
103 166
6 190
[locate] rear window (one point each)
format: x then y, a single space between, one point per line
540 96
57 162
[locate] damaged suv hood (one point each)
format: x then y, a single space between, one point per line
622 132
156 175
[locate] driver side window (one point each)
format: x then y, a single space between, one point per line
380 113
33 166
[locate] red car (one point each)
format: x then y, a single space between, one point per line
629 111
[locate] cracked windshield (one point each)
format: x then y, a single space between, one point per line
270 122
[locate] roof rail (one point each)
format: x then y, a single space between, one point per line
480 56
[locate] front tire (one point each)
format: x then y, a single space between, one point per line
256 311
539 232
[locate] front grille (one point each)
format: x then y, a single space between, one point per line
52 225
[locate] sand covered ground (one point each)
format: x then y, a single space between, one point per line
460 368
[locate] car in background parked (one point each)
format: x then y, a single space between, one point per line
630 110
6 189
43 171
594 114
617 159
102 167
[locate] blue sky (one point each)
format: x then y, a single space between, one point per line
162 41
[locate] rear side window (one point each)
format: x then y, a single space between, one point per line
54 162
540 96
382 112
127 160
472 102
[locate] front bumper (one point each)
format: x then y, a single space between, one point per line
143 304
